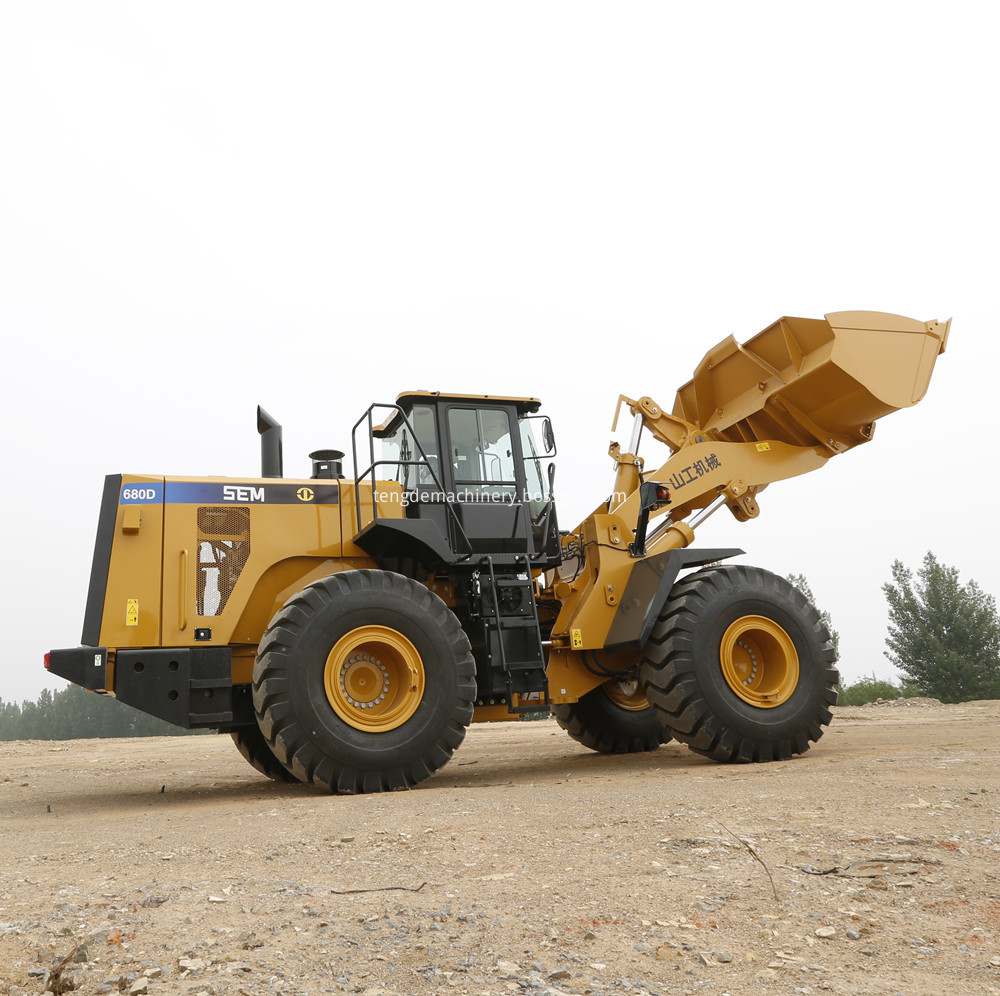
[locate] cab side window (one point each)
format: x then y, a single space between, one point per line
412 469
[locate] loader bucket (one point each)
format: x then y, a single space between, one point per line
809 381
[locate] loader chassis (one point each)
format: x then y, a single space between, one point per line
345 632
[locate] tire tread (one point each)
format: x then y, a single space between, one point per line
274 677
670 670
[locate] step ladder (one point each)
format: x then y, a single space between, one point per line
511 616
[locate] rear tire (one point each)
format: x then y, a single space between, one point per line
364 682
614 718
251 744
740 667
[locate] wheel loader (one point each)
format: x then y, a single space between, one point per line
346 632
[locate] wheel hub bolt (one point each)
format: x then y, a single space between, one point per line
753 662
356 658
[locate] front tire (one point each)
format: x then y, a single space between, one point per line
364 682
614 718
740 666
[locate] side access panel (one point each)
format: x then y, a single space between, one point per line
230 546
123 608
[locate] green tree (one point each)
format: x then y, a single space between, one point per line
943 636
800 582
10 718
74 714
32 723
868 690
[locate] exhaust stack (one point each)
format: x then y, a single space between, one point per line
270 444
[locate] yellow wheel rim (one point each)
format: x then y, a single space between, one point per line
759 661
627 694
374 679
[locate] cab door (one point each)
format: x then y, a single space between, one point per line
486 474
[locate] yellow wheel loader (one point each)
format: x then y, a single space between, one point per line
345 632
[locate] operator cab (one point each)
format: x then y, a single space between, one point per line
476 478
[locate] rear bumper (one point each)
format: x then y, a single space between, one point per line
190 687
86 666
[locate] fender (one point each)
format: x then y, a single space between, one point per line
647 591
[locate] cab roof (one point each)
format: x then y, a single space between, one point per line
406 401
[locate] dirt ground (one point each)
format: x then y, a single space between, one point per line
528 865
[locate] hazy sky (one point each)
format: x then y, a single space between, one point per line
311 206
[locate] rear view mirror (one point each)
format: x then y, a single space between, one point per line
548 436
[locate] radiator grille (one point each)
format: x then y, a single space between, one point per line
223 549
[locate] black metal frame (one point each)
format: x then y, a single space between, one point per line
461 546
370 470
